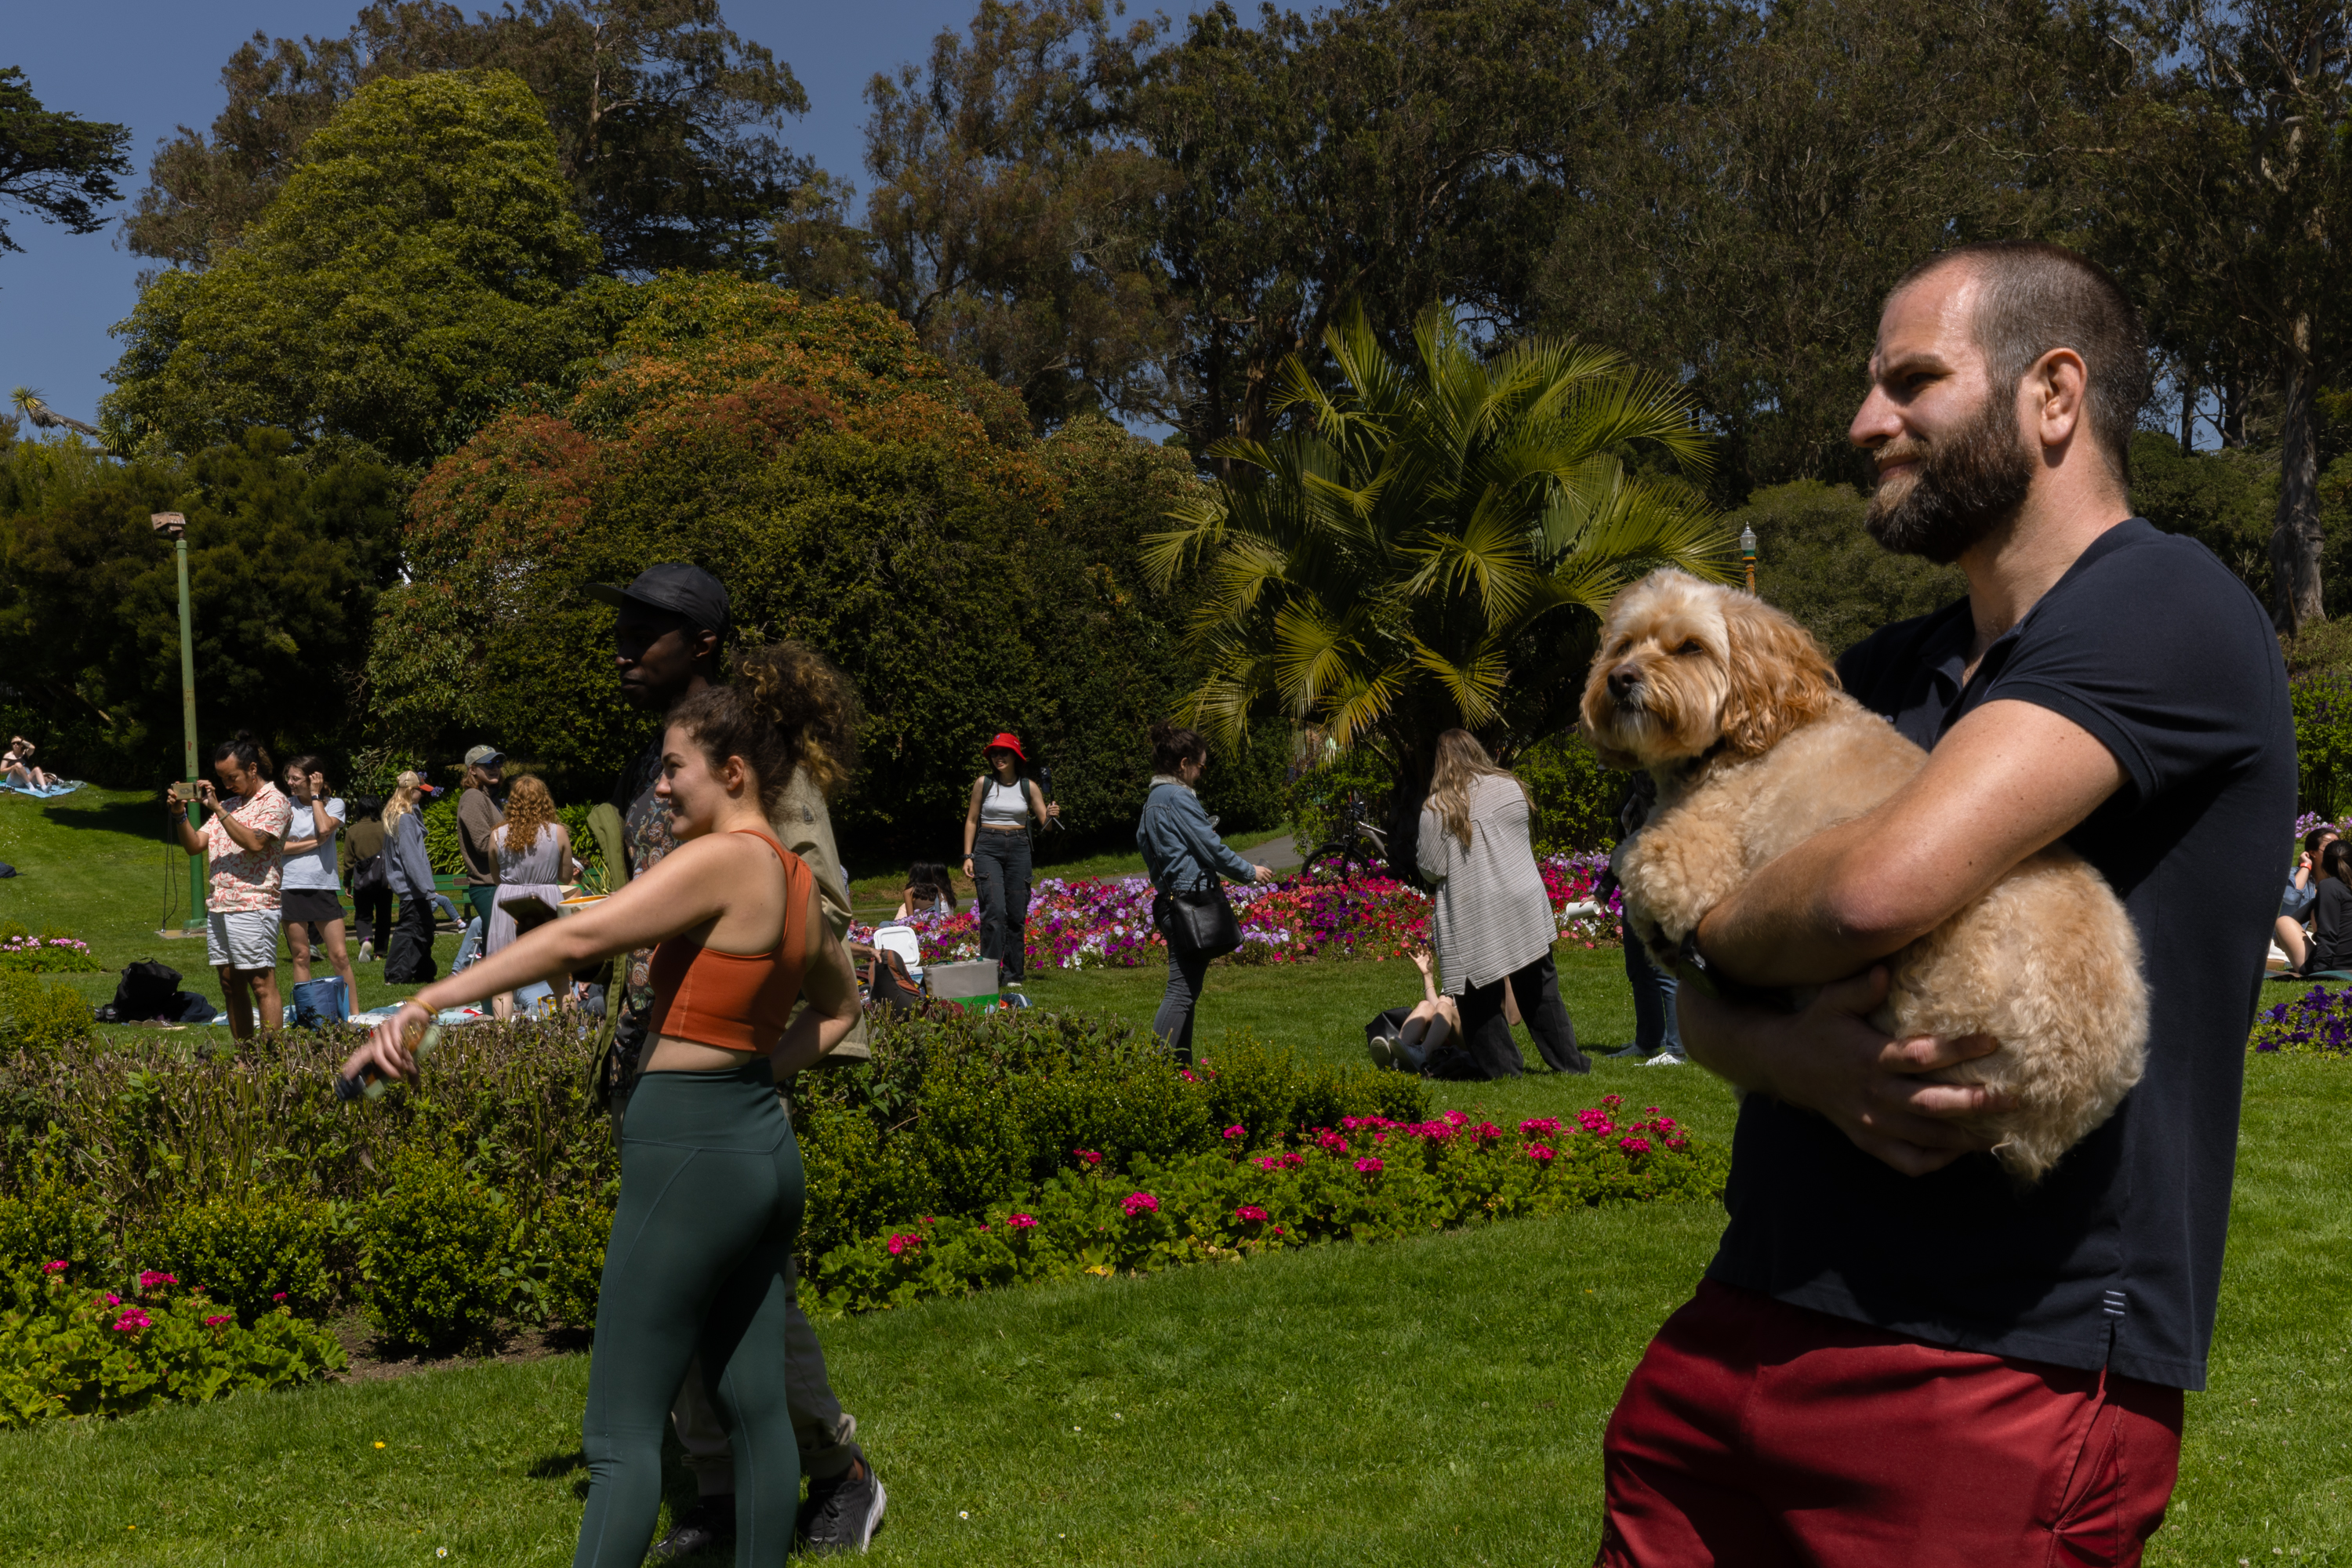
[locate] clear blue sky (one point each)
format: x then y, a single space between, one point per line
154 64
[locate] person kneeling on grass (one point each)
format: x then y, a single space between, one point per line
711 1190
242 840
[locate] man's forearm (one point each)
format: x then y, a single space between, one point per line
1733 1042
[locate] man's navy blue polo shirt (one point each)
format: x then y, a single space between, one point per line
2148 643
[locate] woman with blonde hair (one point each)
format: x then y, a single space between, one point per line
1491 922
535 860
408 957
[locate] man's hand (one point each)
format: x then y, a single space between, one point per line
1828 1060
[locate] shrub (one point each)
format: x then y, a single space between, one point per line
565 1245
1369 1178
40 1019
51 1220
21 953
71 1349
431 1247
252 1254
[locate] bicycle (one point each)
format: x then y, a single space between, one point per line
1357 849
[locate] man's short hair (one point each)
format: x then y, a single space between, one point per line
2038 297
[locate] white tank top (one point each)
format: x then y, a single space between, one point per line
1004 805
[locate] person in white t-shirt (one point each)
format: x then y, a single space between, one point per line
309 889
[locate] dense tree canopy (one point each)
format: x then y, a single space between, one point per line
657 109
419 269
59 167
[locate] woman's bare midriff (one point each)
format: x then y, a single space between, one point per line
671 1053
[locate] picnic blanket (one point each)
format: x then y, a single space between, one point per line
63 786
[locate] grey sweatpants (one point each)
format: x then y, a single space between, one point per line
825 1432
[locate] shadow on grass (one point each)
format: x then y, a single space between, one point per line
135 819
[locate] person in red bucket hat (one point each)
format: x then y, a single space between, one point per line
1005 804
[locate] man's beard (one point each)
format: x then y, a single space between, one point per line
1968 484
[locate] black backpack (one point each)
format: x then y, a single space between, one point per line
888 986
146 991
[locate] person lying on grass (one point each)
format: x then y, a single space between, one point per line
711 1185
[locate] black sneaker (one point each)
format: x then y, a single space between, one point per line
708 1526
842 1513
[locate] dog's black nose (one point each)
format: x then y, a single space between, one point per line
1622 682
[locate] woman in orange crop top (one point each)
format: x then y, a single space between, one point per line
710 1177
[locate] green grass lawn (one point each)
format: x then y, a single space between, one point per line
1442 1396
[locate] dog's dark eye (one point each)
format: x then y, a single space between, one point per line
1692 645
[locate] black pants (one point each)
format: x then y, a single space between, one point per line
1655 1026
999 863
409 959
371 915
1173 1022
1487 1037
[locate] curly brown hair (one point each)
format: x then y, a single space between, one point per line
787 708
529 808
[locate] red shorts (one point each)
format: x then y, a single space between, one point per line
1755 1433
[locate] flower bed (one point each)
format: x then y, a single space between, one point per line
23 954
1370 1178
68 1349
1104 922
2317 1022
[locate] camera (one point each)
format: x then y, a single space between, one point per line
182 793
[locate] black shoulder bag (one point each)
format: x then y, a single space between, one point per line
1201 922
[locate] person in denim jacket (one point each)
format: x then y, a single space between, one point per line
1183 854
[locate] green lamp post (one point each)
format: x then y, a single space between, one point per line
174 527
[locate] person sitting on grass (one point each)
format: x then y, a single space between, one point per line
1435 1021
2331 934
929 891
242 840
16 769
2301 901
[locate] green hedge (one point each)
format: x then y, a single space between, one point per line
1576 798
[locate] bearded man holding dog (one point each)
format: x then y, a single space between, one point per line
1899 1354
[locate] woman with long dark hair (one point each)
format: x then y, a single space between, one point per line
2331 937
711 1184
242 840
1184 856
1491 919
308 897
1005 801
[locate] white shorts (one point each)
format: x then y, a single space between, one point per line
241 939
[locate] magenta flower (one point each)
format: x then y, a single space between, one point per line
1140 1203
1021 1221
150 1278
1369 1166
1634 1145
1486 1129
1613 1102
1088 1155
1250 1212
1237 1131
1186 1075
899 1244
1457 1118
131 1321
1331 1142
1539 1152
112 1300
1539 1126
216 1319
55 1266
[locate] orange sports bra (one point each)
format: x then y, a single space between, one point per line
735 1001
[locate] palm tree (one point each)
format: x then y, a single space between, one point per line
1433 545
28 403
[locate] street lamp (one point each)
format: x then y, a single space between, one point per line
174 527
1747 553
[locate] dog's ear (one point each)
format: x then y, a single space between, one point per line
1779 678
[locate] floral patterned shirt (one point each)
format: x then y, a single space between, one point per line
246 879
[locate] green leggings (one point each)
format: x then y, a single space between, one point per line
710 1205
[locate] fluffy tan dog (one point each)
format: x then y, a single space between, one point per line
1734 711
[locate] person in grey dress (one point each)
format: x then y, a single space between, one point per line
1491 922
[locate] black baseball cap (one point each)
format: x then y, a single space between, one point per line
675 587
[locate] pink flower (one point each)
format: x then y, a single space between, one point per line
131 1321
1331 1142
1022 1221
1486 1129
1277 1230
1539 1126
1457 1118
279 1297
216 1319
55 1266
1539 1152
1612 1100
1186 1075
1088 1155
1369 1166
1250 1212
150 1278
1662 1124
899 1244
112 1300
1634 1145
1237 1131
1140 1203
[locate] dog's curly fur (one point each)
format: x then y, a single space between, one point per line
1737 714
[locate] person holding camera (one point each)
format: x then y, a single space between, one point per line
242 840
310 905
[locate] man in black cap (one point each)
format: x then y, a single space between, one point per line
673 621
